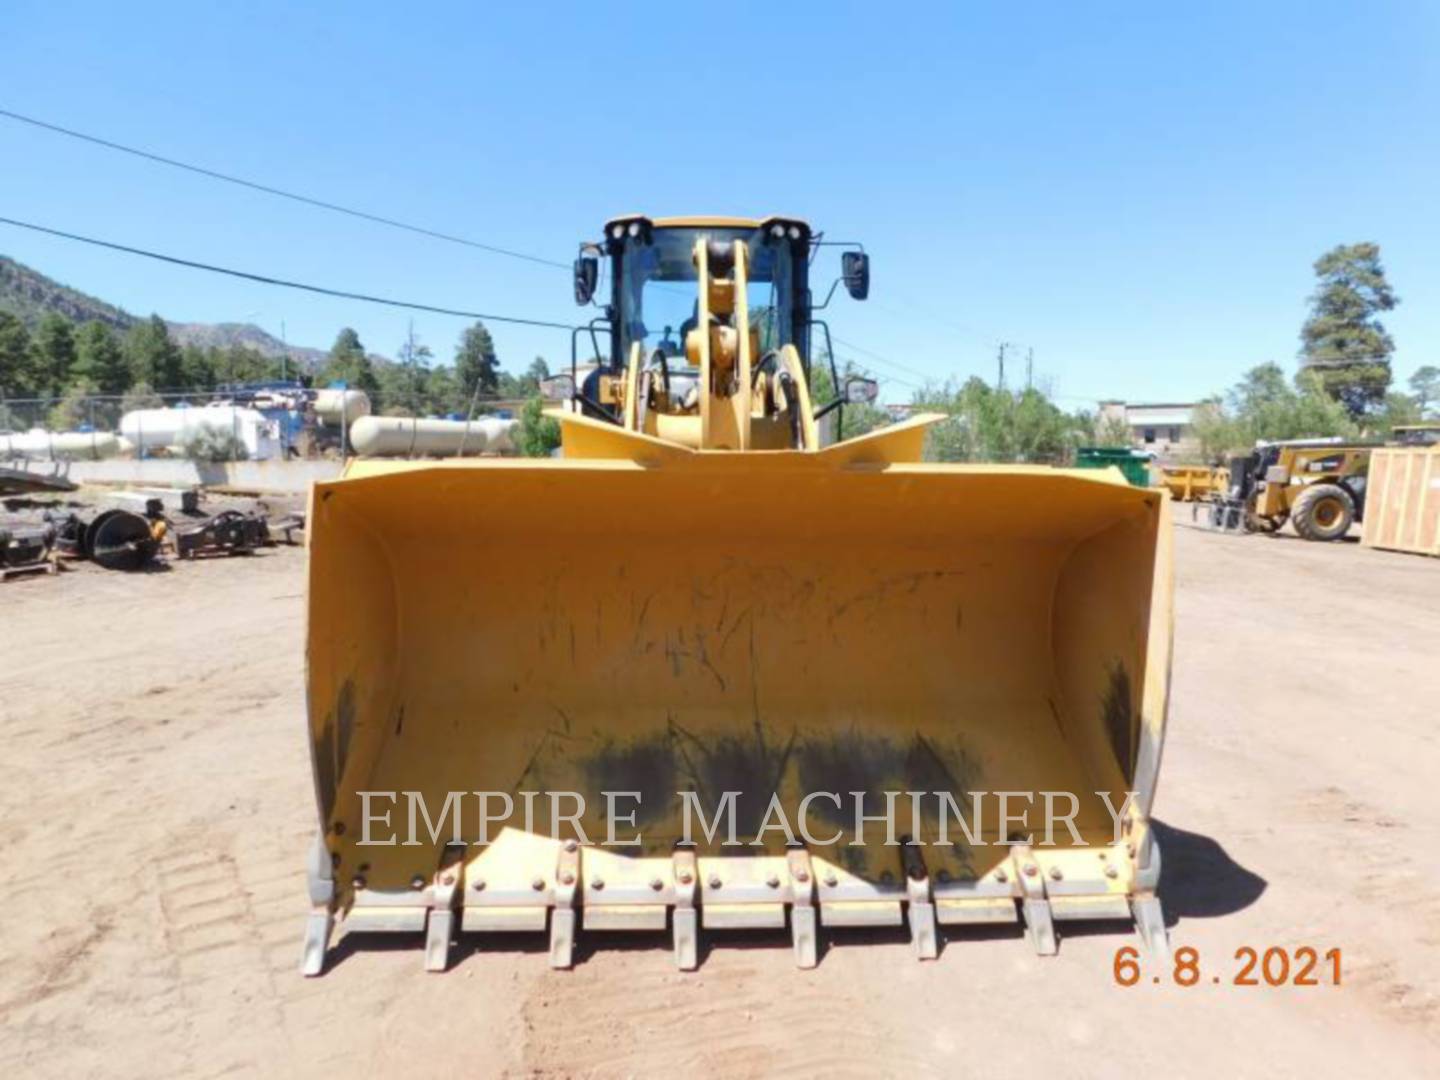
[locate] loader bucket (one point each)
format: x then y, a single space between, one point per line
677 625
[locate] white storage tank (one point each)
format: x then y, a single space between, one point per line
499 434
404 436
171 429
332 405
42 445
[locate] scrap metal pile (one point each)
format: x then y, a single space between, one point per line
229 532
26 550
117 538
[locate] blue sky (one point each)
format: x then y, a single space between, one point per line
1134 191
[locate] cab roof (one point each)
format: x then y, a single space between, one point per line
701 221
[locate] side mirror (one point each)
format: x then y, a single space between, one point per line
560 387
855 270
860 391
587 275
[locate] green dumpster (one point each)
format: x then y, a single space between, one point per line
1132 463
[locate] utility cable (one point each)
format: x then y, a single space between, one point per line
266 279
268 189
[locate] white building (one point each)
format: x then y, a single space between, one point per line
1166 429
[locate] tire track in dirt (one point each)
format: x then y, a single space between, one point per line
210 932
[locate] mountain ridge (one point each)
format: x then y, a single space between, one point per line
29 294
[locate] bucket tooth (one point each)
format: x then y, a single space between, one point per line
803 924
318 925
1039 927
320 880
562 918
1145 906
1039 924
440 927
921 909
438 932
1150 924
687 922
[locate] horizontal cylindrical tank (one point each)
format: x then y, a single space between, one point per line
170 429
334 404
499 434
59 445
402 436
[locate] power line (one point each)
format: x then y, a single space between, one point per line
265 279
884 360
939 320
268 189
886 376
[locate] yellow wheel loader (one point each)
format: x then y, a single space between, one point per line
700 672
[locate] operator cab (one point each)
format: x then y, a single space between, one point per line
653 279
649 297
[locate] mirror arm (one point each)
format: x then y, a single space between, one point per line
828 297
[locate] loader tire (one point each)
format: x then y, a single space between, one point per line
1323 512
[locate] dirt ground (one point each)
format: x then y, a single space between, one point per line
156 803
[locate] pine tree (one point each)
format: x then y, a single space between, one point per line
348 363
153 357
1426 385
197 367
16 359
476 363
54 353
99 358
1343 341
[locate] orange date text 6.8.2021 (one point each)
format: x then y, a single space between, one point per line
1302 965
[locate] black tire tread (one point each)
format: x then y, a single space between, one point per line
1302 513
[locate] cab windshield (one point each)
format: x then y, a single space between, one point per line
658 299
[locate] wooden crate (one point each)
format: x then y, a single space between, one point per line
1402 504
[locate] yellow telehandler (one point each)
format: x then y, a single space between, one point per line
702 672
1318 485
